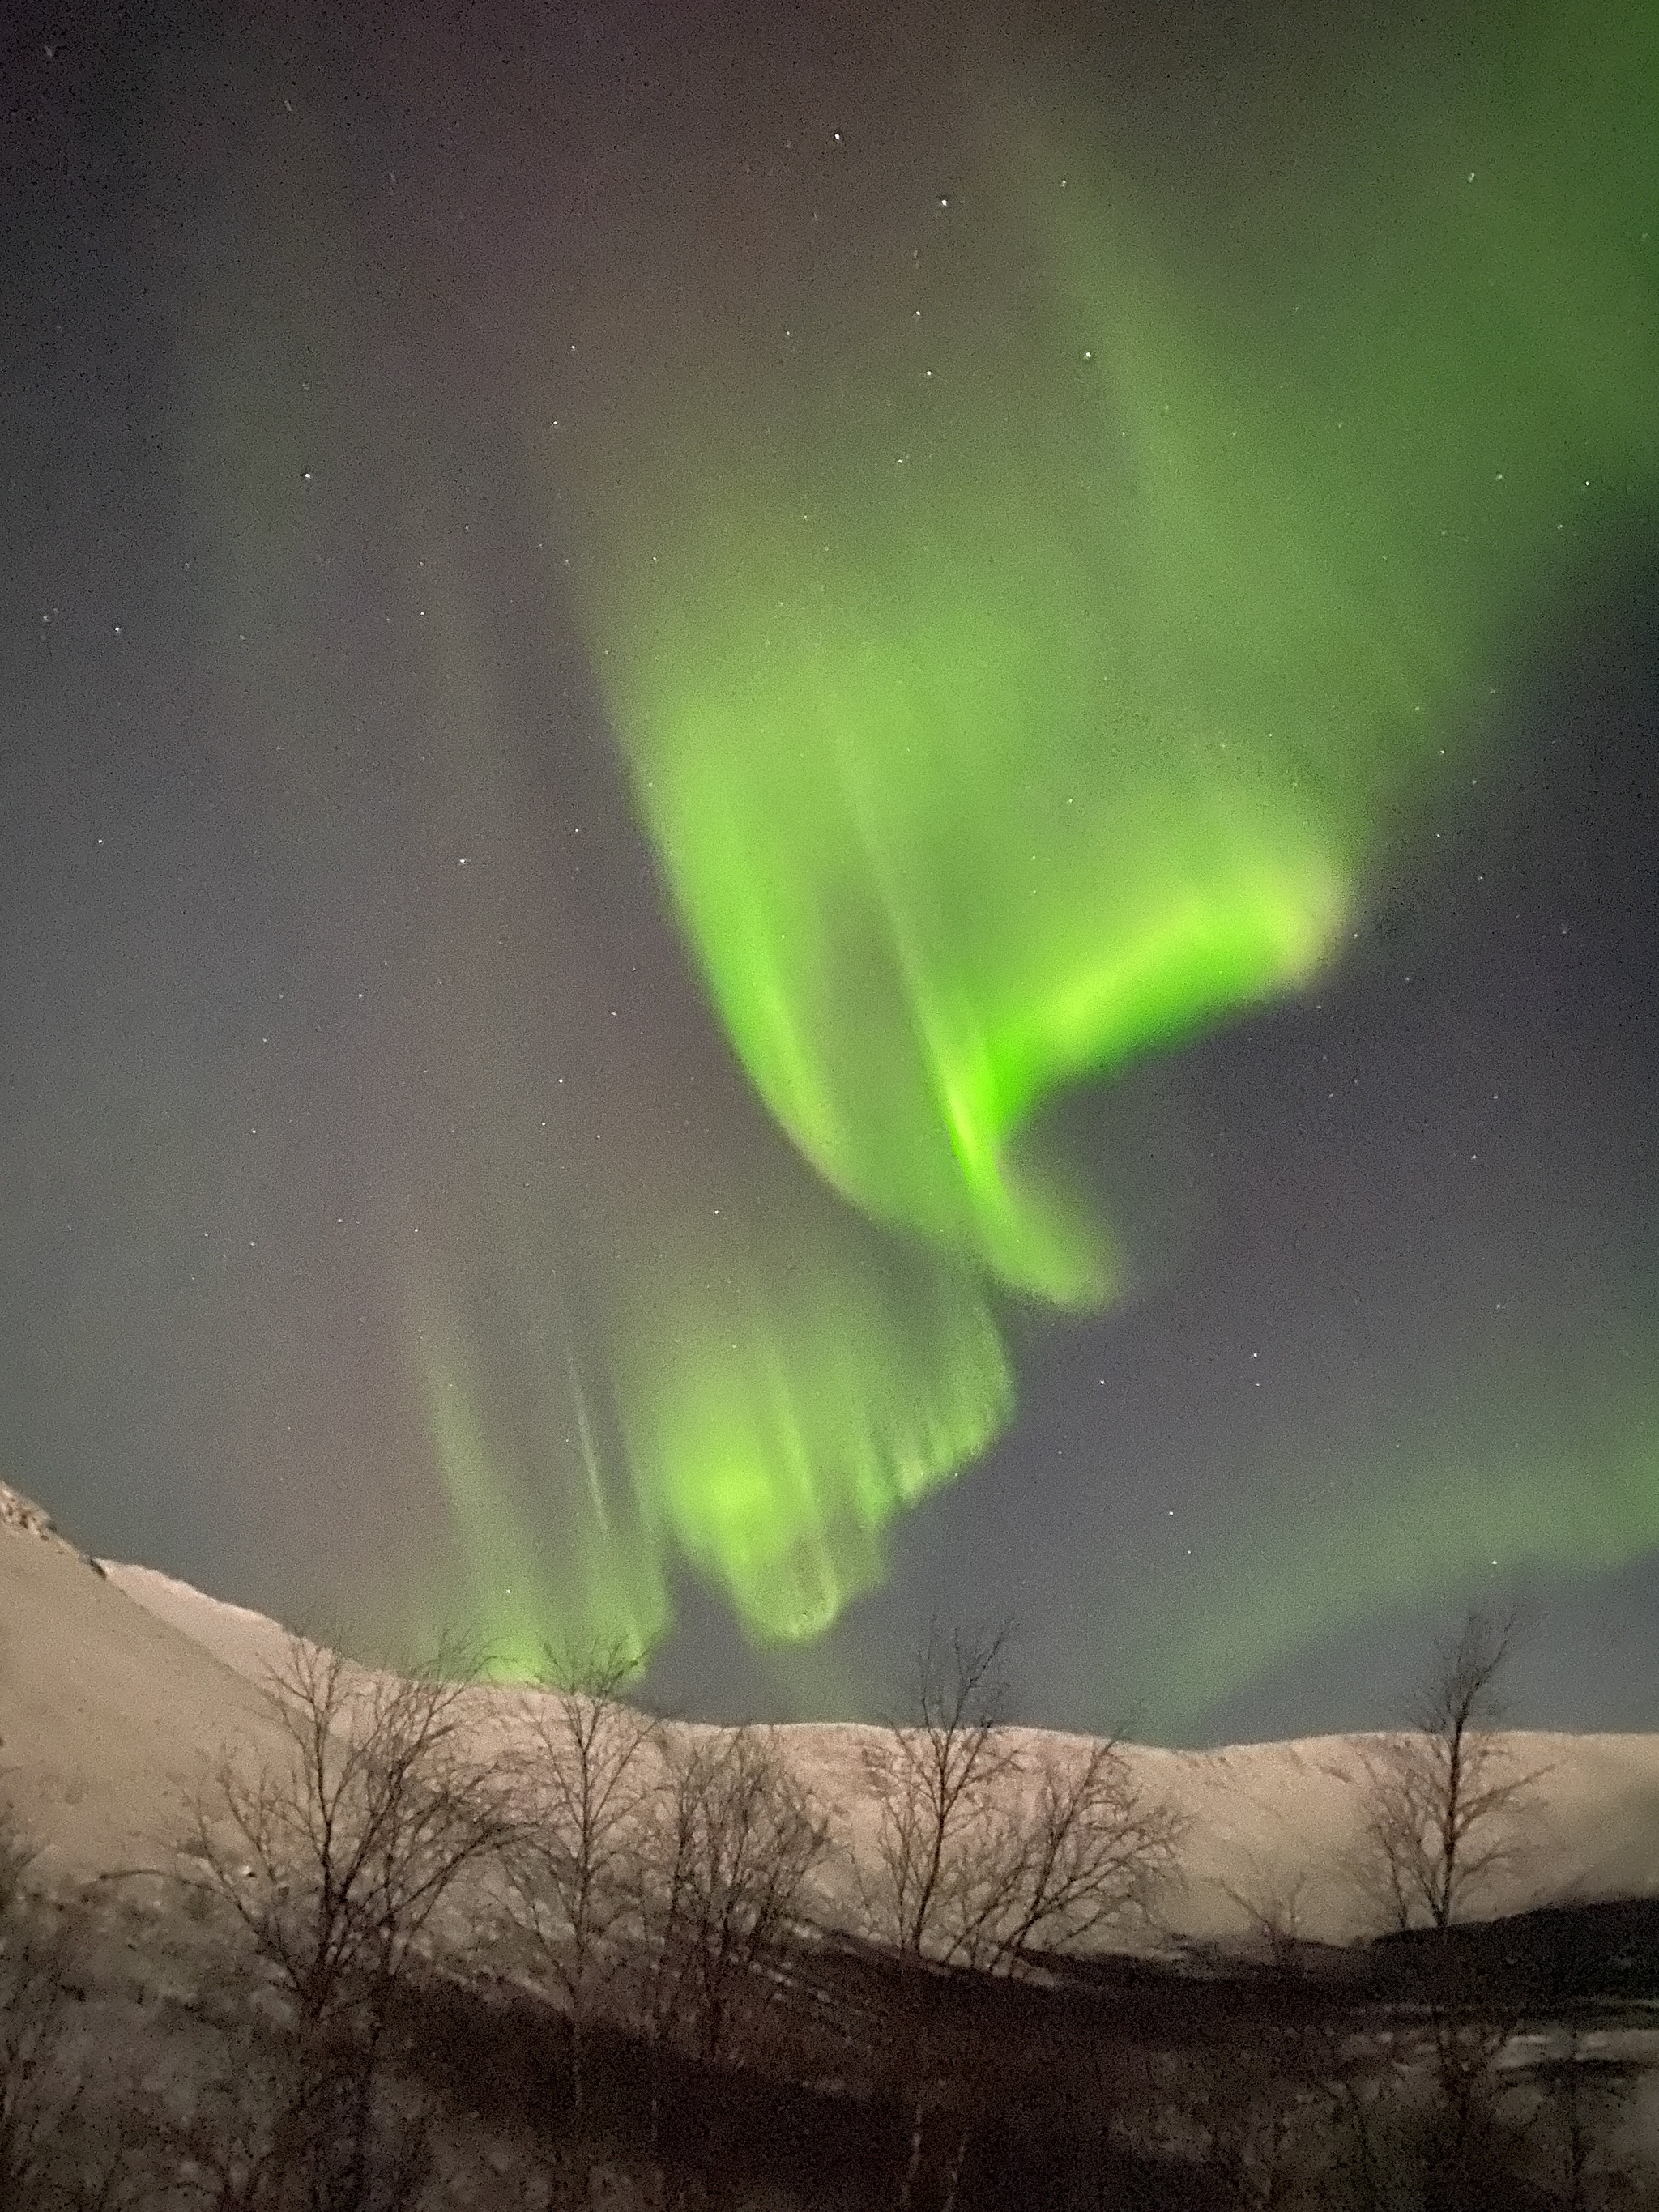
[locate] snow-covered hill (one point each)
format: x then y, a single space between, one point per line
120 1686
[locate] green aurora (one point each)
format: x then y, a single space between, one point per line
1023 654
812 818
982 754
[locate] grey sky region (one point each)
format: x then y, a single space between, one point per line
346 1017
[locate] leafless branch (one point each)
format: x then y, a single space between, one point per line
732 1841
579 1791
990 1851
17 1854
38 2096
335 1855
934 1883
1095 1850
1444 1800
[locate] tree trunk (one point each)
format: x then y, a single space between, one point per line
1578 2144
954 2182
918 2136
1352 2099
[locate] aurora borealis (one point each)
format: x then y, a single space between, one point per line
803 829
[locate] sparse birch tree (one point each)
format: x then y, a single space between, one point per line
934 1888
1443 1798
991 1851
580 1790
1444 1803
335 1855
1089 1849
733 1842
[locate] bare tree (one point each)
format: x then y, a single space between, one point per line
50 2156
1443 1798
336 1856
1090 1849
933 1889
732 1843
1443 1807
580 1789
991 1851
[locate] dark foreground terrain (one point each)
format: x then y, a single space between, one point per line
148 2062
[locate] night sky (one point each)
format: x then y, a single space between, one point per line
817 817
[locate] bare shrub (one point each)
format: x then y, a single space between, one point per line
226 2153
51 2159
1273 1902
17 1854
36 2099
